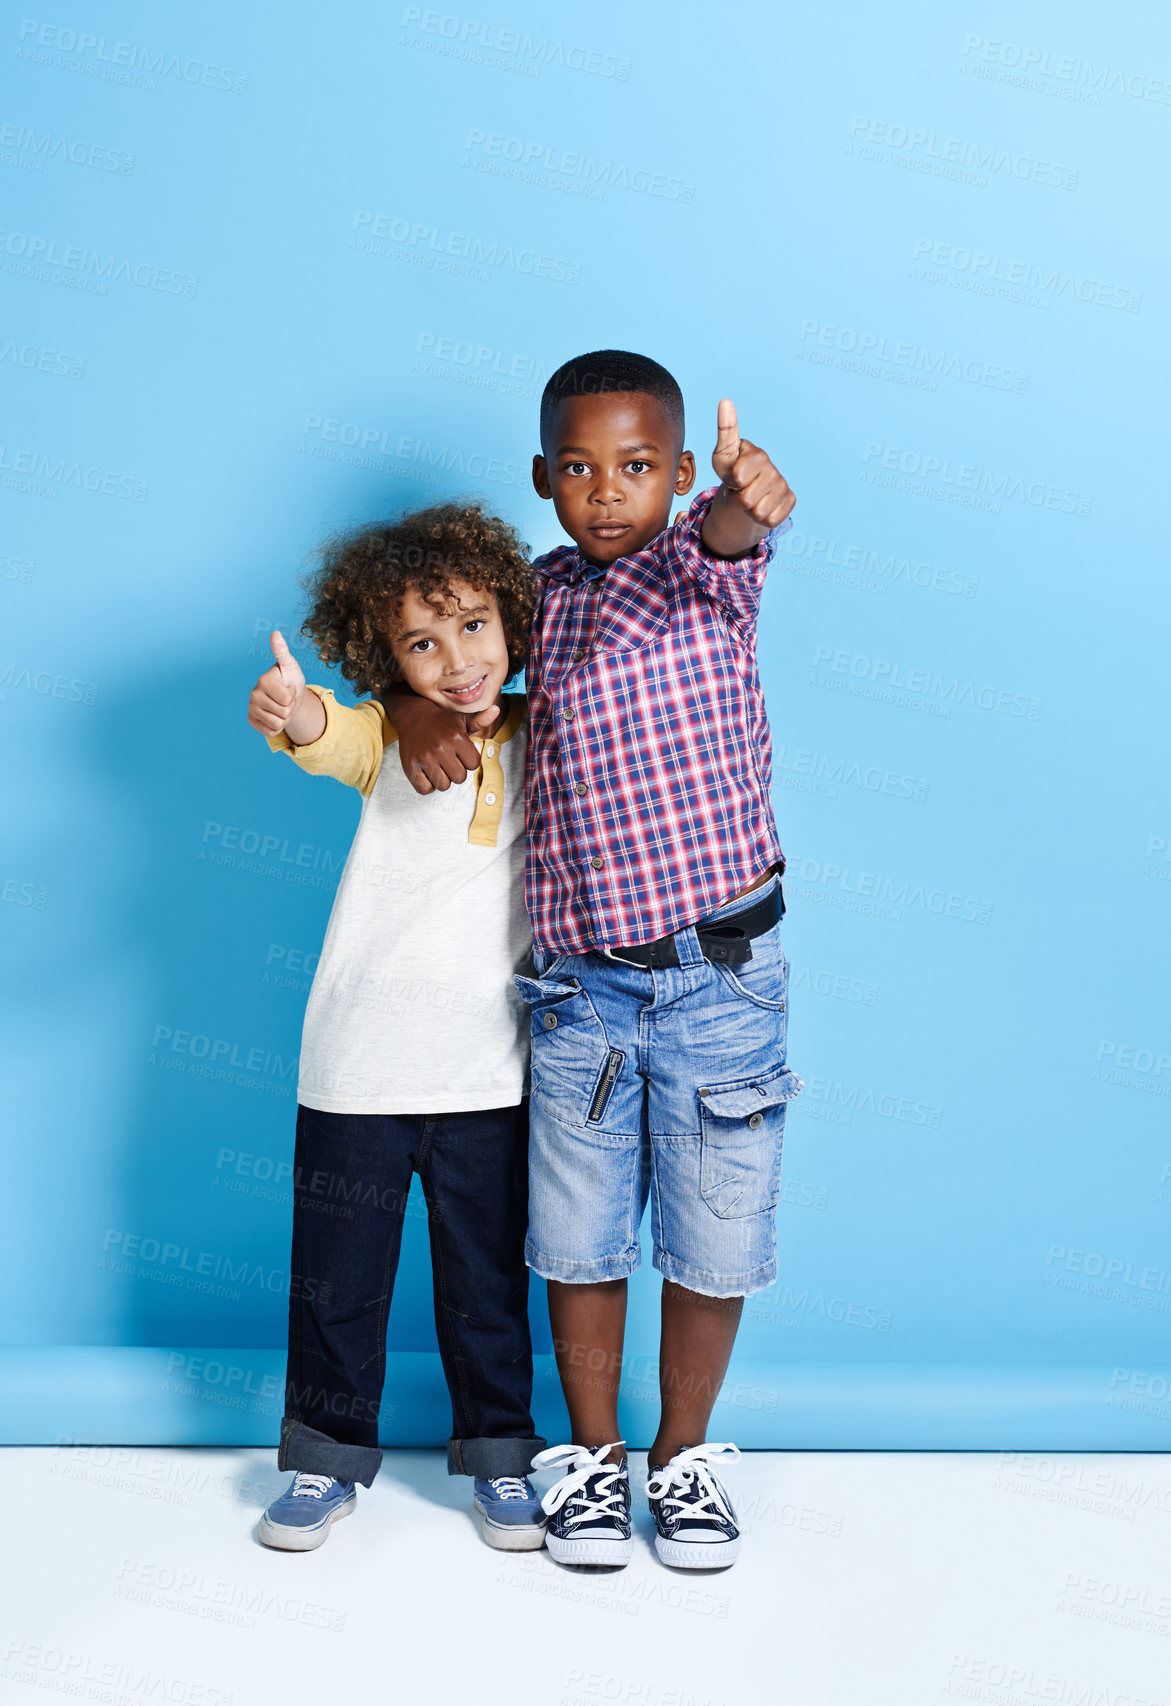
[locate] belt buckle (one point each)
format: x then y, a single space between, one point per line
619 959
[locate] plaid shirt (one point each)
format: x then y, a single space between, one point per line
650 761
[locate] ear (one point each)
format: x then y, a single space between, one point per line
685 474
541 478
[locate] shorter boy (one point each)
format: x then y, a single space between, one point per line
414 1056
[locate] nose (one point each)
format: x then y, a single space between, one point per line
460 660
607 488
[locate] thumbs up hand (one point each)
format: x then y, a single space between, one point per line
746 474
753 497
277 696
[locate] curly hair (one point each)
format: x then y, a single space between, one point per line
358 589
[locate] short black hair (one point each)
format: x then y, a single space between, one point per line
612 370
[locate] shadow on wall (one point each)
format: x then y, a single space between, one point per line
240 855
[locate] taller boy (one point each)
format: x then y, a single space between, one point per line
653 886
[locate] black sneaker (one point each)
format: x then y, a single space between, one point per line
589 1508
695 1525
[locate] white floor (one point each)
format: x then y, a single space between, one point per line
133 1576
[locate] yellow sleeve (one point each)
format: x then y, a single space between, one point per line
350 748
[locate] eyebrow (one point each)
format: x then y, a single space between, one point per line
623 449
475 610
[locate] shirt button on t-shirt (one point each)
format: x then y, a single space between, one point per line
489 750
489 799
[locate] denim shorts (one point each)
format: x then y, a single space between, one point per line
669 1084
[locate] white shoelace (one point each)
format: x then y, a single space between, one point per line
687 1485
310 1486
605 1501
509 1486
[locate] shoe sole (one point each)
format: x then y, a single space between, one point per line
284 1538
697 1554
591 1551
512 1537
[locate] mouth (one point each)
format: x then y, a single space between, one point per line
470 690
609 529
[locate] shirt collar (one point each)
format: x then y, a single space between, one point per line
567 565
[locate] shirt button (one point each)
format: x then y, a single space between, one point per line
577 656
567 716
489 750
580 788
550 1021
755 1119
597 863
489 799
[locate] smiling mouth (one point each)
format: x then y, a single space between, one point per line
470 690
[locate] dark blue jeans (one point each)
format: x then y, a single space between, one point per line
352 1175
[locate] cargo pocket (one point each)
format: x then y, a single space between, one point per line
569 1048
742 1126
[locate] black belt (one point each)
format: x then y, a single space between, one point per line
724 941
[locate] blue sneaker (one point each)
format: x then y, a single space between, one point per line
301 1518
510 1510
589 1508
695 1525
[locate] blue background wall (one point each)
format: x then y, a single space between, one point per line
272 270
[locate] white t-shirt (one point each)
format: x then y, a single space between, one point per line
413 1009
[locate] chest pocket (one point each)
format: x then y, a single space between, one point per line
633 615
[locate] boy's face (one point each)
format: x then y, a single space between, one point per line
612 463
457 654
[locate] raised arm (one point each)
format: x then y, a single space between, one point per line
278 703
319 735
753 497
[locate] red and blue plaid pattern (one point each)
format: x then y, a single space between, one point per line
650 761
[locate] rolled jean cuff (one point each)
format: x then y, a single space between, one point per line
489 1457
316 1454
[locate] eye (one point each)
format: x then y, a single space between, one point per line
637 466
420 643
473 624
576 468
